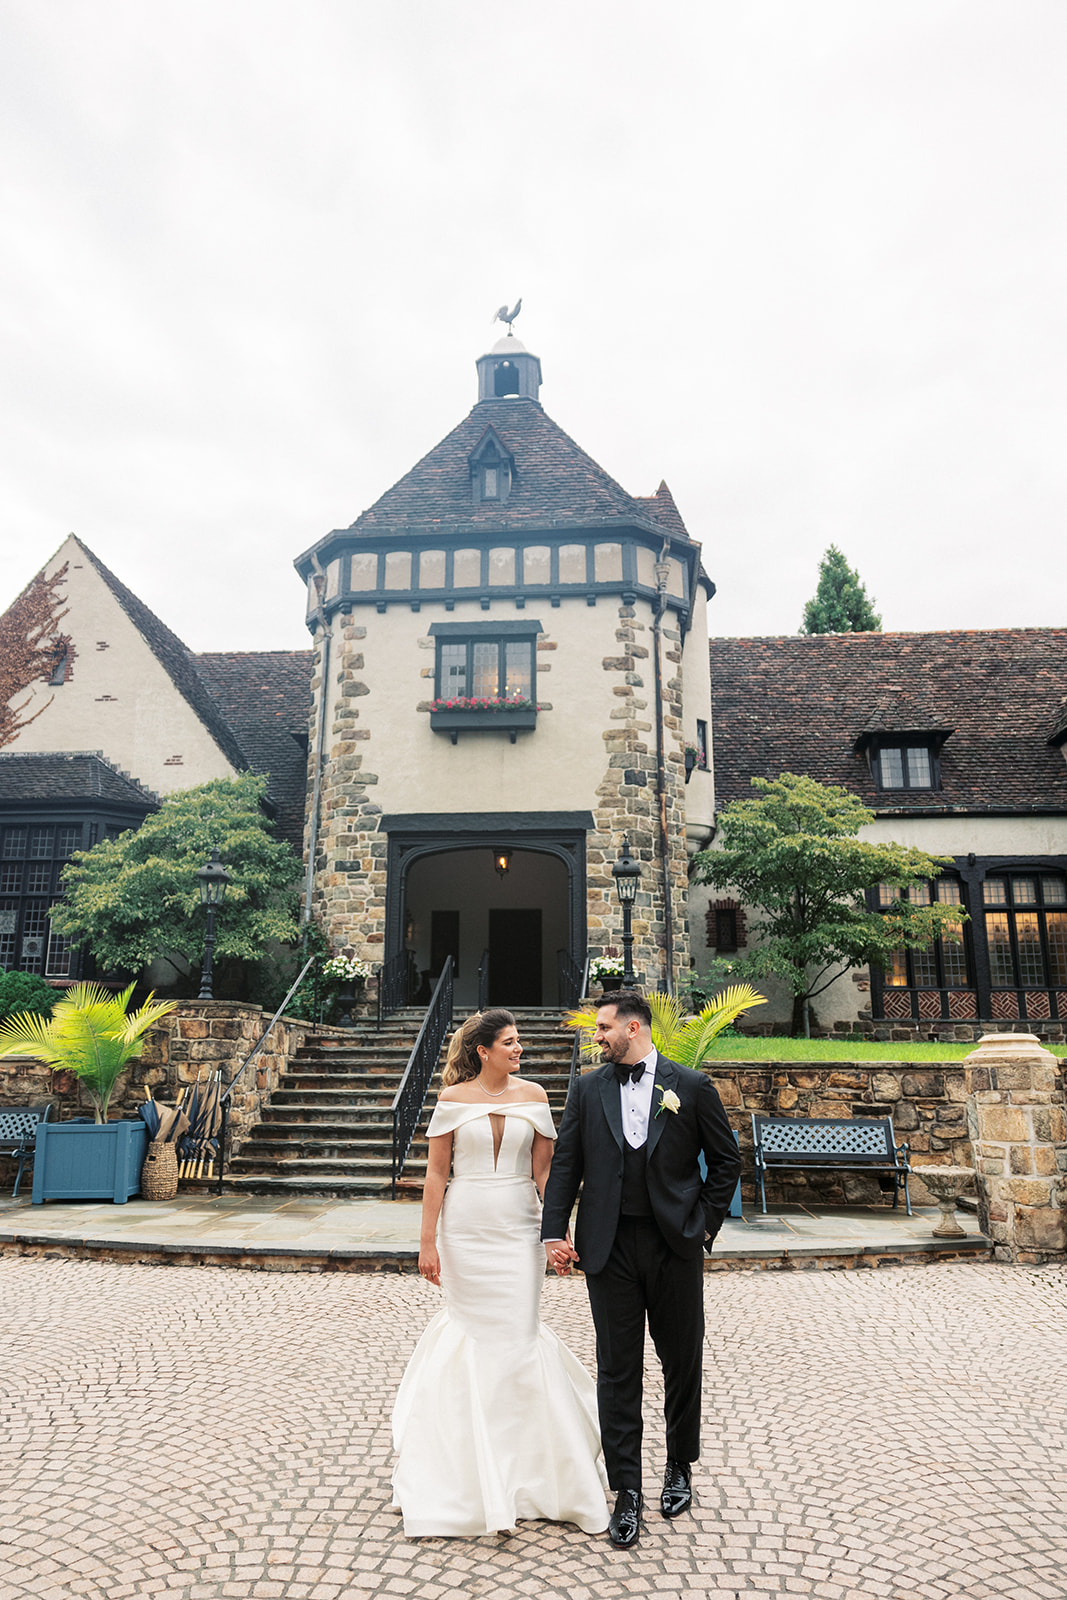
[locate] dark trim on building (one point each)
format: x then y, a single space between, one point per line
560 834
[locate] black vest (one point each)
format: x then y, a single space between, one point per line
635 1201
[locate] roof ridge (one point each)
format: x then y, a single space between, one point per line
176 659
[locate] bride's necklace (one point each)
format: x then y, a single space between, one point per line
494 1094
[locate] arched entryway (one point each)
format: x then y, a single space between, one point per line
446 896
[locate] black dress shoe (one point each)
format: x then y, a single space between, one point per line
677 1493
625 1522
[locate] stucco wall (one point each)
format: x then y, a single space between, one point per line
118 698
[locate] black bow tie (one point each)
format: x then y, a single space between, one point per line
624 1072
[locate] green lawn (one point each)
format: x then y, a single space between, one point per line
839 1050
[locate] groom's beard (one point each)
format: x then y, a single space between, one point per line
613 1054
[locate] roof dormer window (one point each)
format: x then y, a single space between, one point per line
904 766
490 468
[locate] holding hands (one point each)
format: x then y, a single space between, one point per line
561 1255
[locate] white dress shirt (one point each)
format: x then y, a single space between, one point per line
637 1103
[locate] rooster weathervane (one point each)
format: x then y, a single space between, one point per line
504 315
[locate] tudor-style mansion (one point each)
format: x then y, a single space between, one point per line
510 673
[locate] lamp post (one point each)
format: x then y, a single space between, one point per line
213 883
626 872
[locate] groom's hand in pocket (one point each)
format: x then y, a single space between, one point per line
561 1255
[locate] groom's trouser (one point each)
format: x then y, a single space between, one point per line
642 1277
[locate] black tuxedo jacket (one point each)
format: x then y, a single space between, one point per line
589 1154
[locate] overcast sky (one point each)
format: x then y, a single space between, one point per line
802 258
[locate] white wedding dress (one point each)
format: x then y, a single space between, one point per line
494 1419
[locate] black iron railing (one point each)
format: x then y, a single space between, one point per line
576 1052
224 1097
395 985
483 981
411 1095
570 978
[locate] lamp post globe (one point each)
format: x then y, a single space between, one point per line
626 872
214 880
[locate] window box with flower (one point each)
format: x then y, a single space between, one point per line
505 713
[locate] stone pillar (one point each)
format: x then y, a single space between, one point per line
1015 1114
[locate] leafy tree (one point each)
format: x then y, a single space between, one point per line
89 1034
136 897
25 991
793 854
840 604
31 646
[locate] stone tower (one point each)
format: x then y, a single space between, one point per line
510 660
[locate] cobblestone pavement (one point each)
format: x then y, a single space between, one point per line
197 1433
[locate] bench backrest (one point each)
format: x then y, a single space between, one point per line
18 1124
834 1138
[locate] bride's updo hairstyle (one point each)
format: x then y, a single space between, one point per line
462 1063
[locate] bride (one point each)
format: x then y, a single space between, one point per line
494 1419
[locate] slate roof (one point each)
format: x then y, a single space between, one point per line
801 704
176 659
69 775
265 697
554 481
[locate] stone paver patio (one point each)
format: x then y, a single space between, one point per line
317 1233
203 1434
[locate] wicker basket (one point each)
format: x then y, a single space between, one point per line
159 1175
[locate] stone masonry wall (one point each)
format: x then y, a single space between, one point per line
199 1037
927 1103
627 803
350 856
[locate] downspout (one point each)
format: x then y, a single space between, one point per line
320 741
663 573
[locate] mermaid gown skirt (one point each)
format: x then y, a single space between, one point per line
495 1420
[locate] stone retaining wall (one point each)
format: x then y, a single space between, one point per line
198 1038
927 1102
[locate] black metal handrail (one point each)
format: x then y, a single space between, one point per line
570 977
583 988
394 984
483 980
224 1097
422 1063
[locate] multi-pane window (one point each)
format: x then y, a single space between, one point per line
485 668
904 766
1026 929
943 964
31 859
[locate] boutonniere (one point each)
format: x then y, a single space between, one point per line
669 1101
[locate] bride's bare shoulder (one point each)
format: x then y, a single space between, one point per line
457 1091
532 1091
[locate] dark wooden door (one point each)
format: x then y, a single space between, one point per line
444 942
514 958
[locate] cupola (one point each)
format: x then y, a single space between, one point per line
508 372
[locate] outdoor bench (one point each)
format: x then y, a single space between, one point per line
827 1144
18 1133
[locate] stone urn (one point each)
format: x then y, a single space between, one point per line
946 1184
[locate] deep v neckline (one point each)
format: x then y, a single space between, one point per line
497 1124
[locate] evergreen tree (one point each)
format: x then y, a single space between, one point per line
840 604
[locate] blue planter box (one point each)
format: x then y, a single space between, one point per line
88 1160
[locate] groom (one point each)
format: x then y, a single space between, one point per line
631 1137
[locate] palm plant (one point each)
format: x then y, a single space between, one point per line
88 1034
684 1039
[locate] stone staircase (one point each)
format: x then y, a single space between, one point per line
328 1129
